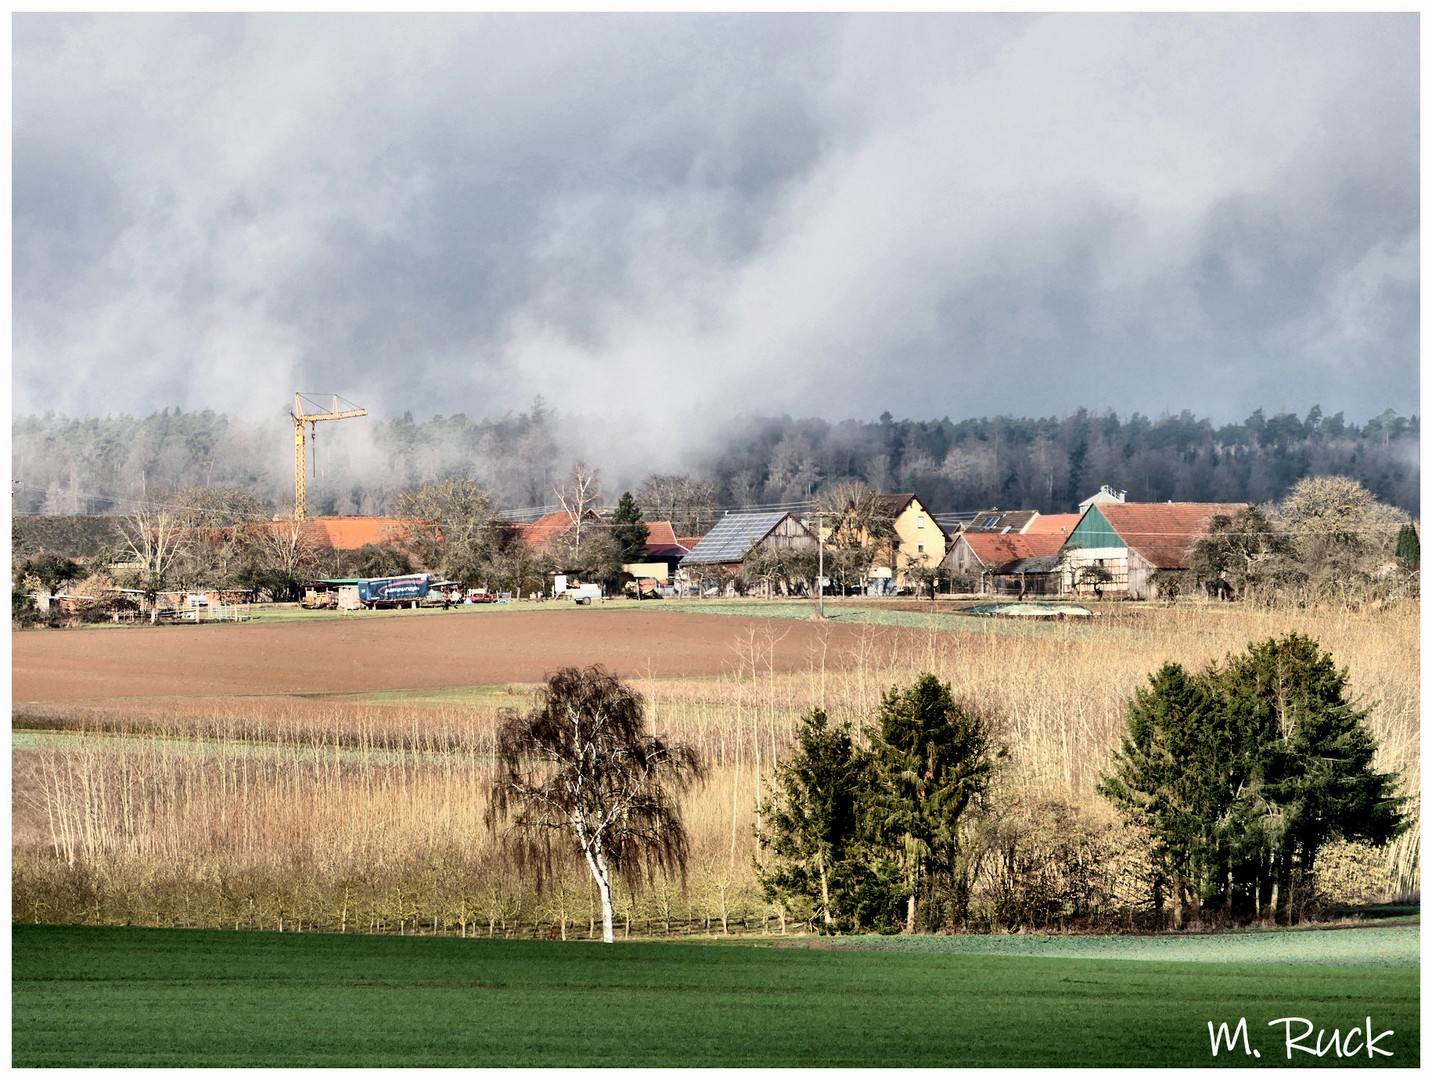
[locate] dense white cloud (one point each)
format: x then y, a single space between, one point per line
690 216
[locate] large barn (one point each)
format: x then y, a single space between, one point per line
719 557
1133 540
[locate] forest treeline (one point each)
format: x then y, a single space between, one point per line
105 466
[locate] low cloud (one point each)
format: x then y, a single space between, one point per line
658 222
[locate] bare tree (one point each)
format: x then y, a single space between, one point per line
861 528
580 776
451 522
286 546
690 505
744 483
156 535
581 494
922 576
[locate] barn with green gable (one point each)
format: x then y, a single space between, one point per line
1132 540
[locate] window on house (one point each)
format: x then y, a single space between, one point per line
919 548
920 521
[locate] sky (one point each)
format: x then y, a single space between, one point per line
658 222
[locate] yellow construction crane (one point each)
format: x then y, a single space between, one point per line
300 450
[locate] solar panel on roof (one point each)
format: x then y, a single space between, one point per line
733 536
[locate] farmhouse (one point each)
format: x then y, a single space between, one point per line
1060 525
1130 541
549 528
1001 562
351 533
1006 521
719 558
663 555
1105 494
918 540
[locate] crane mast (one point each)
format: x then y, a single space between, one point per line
300 448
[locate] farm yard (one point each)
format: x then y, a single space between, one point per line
329 774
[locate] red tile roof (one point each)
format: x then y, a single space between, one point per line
1162 533
351 533
661 541
549 527
1053 523
546 528
1000 549
688 542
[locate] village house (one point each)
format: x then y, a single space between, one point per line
918 540
1007 563
1105 494
663 554
1060 525
719 558
352 533
1131 541
549 528
1002 521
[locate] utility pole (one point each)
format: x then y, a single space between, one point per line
300 450
820 562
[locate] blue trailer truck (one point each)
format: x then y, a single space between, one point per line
408 591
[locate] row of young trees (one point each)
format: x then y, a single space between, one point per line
1239 776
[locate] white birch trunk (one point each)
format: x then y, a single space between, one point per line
598 865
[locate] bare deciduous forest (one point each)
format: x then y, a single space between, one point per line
103 466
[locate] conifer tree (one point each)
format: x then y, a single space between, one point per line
932 756
1409 548
1245 771
629 529
809 819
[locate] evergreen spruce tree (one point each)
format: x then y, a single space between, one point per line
1409 548
629 529
1246 770
808 823
932 756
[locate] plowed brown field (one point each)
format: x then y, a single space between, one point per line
353 655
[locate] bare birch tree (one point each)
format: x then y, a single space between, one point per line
580 777
579 495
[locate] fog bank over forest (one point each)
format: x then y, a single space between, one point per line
63 465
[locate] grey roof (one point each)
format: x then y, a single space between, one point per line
952 520
733 536
1002 520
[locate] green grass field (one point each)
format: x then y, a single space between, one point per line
100 996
